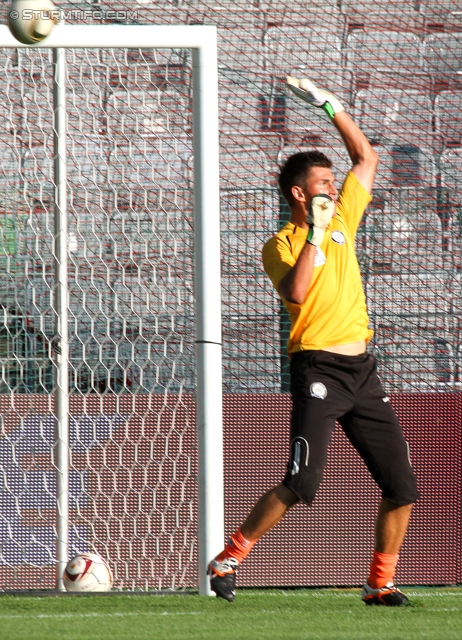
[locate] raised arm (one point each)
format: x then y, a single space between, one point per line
362 155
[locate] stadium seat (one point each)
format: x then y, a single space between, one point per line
85 69
260 371
289 50
143 68
36 112
238 13
89 210
455 237
240 48
86 162
448 118
442 14
245 167
151 164
37 63
158 12
250 306
249 210
458 383
414 362
85 92
456 309
456 301
395 116
279 111
10 167
135 114
405 166
382 16
351 7
442 58
249 198
268 142
85 114
419 81
419 301
451 168
315 5
37 166
403 241
10 118
389 53
313 15
242 105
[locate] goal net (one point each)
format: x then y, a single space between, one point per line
129 423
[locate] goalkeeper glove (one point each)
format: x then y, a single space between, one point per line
320 213
308 92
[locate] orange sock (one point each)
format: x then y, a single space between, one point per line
383 567
236 547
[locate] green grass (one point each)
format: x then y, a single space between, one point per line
256 614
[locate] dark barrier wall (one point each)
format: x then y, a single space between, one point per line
133 492
331 542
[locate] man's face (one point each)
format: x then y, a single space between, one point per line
320 180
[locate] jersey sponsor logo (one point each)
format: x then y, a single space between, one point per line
318 390
319 258
338 237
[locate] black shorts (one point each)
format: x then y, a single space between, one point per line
326 388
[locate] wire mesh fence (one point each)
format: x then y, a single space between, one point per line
131 254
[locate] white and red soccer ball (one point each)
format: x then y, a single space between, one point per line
86 573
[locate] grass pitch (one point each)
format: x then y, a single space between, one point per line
256 614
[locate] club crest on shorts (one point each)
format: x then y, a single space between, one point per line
338 237
318 390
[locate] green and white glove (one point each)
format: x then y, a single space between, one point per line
309 92
320 213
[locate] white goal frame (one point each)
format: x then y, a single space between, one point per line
202 40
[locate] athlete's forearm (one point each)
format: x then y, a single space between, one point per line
362 154
295 284
358 146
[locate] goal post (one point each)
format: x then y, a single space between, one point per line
203 43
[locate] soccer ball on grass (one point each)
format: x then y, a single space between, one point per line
87 572
31 21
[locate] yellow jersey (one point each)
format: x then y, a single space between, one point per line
334 311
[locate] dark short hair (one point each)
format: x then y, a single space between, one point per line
295 170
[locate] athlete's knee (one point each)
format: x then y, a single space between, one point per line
401 491
305 491
286 495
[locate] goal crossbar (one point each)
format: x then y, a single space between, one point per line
202 40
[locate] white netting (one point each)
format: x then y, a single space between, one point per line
131 314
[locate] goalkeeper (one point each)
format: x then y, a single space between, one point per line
313 266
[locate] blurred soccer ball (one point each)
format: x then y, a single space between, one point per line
31 21
87 572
